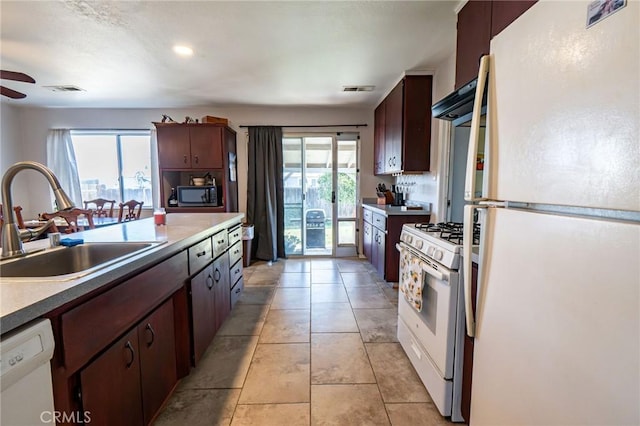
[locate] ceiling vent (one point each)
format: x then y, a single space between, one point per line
64 88
358 88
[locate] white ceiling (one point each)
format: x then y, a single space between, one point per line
246 53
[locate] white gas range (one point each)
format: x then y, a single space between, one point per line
431 322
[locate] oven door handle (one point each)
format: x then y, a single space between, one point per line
435 273
426 268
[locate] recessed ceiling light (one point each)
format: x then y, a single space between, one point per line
183 50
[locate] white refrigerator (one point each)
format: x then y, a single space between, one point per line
557 324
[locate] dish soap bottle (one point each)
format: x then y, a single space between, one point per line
173 199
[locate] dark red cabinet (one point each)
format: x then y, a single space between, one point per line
111 391
478 22
368 241
222 290
504 12
128 382
203 312
193 150
210 303
402 128
380 237
183 146
393 129
474 37
378 139
157 347
467 370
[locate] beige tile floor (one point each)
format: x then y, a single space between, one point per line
310 342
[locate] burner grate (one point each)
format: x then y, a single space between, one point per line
449 231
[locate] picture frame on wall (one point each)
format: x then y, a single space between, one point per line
600 9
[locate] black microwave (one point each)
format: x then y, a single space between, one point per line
198 196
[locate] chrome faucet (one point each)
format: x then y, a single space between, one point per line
11 235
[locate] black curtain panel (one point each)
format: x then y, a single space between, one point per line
265 195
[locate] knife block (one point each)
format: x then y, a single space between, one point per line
386 199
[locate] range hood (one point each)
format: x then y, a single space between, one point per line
459 103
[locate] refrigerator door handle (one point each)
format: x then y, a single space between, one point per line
472 154
467 245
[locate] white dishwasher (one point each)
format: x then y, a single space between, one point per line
27 392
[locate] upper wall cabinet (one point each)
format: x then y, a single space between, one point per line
402 130
474 36
190 146
186 151
478 22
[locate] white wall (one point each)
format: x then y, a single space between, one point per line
26 141
12 151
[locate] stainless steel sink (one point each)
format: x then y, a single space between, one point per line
66 263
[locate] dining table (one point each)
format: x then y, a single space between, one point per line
62 224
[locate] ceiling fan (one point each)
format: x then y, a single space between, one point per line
16 76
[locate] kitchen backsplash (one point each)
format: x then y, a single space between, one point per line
422 188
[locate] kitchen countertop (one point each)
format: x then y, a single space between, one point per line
24 300
389 210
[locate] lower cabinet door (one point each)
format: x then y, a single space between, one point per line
203 316
111 390
221 288
236 291
367 240
156 340
380 252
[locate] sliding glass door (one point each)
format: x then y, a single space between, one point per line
320 193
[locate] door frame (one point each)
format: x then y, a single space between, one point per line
337 250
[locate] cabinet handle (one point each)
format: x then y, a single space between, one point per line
209 280
236 251
152 333
238 290
389 161
196 158
394 160
220 241
185 159
132 352
216 275
237 271
202 253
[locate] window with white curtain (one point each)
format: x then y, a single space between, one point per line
115 165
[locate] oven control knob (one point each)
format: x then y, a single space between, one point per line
419 244
430 251
409 239
439 254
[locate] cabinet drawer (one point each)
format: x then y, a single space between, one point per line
220 243
235 272
92 326
200 255
235 253
367 216
236 291
379 221
235 234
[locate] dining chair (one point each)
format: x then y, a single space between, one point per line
104 207
73 218
133 209
19 219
